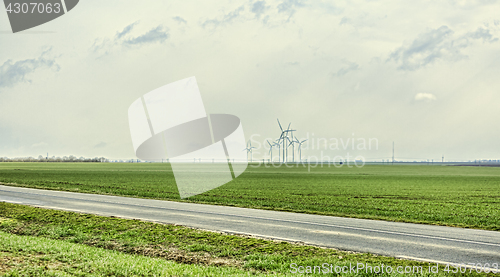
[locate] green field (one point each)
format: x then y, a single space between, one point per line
445 195
33 256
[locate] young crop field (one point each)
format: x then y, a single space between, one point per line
445 195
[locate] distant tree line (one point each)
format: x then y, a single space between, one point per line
53 159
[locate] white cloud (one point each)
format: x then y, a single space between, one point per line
104 46
290 7
125 30
100 144
275 12
351 66
437 44
425 96
224 19
258 8
39 144
157 34
12 73
179 19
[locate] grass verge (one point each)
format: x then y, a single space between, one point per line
38 256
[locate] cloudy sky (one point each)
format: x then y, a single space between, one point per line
421 73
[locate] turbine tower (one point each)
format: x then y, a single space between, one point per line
270 149
292 143
277 143
286 134
282 138
300 148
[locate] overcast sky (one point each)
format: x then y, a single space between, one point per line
421 73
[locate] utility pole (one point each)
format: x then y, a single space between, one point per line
393 152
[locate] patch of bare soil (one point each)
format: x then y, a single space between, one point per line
9 261
169 253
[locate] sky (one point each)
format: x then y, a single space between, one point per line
421 74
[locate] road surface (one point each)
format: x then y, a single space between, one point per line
412 241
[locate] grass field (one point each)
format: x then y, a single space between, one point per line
445 195
33 256
42 242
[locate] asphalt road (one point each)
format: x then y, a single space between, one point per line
405 240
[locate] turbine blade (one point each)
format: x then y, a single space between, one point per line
279 124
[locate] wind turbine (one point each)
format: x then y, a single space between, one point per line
300 147
270 149
249 149
283 136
